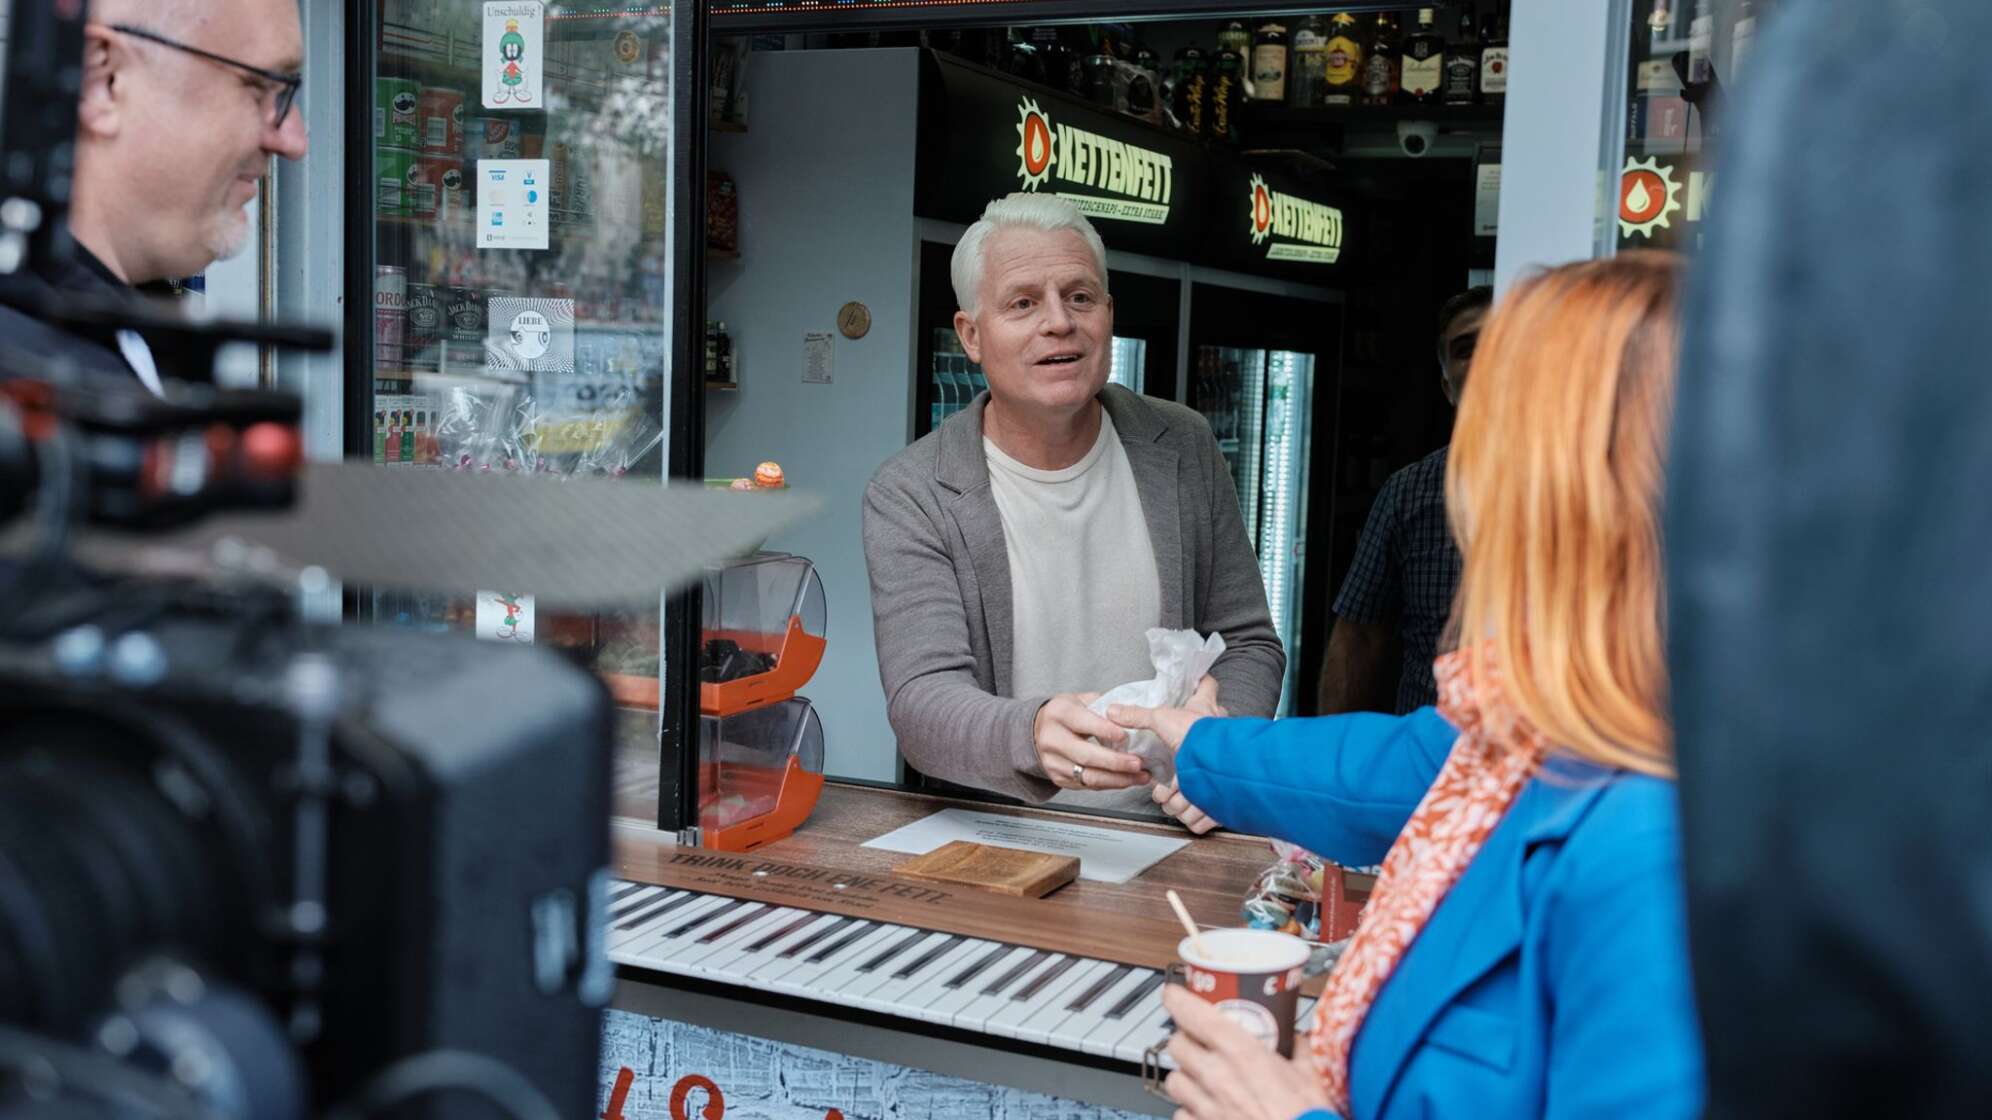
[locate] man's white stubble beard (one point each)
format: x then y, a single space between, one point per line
229 236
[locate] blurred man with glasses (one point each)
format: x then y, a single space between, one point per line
182 105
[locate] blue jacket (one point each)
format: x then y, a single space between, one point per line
1552 980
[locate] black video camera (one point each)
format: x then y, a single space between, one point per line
252 867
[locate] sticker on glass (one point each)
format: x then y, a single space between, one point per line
514 54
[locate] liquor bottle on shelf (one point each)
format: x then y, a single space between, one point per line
1422 72
1190 95
1342 79
1380 67
1227 94
1463 63
1743 37
1269 63
1493 59
1307 79
1701 45
1235 36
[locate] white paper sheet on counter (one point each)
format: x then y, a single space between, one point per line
1105 855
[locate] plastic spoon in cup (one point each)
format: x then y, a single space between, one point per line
1189 924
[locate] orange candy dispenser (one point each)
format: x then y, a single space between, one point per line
760 745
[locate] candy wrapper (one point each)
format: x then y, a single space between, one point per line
1181 658
1287 895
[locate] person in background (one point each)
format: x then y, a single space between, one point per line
1399 591
183 104
1020 552
1524 952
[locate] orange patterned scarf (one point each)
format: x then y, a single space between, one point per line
1495 756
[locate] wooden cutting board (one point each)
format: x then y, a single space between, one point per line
1009 871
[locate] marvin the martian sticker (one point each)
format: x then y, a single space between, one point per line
514 54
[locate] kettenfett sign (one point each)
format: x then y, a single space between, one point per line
1298 230
1105 178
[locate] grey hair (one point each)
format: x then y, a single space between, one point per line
1017 211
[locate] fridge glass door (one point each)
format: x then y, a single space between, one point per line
1229 388
1282 535
521 220
1129 361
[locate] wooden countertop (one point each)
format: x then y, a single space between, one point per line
824 867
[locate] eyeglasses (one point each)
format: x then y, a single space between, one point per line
286 85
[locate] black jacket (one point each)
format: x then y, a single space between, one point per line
1830 607
28 345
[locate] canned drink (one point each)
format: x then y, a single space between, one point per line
441 112
491 138
391 170
390 315
426 324
397 112
466 311
435 187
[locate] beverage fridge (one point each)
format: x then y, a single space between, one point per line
514 233
1262 372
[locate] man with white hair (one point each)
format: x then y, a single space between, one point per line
1020 552
183 103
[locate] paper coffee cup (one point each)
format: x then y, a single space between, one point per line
1253 976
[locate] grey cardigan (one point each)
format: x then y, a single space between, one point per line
940 583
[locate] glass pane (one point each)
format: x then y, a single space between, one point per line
1283 520
1689 60
1130 362
521 219
1229 389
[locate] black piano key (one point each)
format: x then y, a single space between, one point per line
757 912
894 950
862 930
627 888
805 943
1100 987
618 909
928 957
1017 970
657 909
981 963
1134 998
801 920
1041 979
697 920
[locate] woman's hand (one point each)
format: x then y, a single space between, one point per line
1222 1073
1176 805
1169 724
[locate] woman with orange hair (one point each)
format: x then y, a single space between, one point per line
1525 951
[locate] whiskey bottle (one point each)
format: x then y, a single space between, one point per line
1307 76
1343 76
1463 63
1422 73
1380 69
1493 59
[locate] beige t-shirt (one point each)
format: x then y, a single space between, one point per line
1083 586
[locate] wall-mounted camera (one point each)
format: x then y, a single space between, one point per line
1416 138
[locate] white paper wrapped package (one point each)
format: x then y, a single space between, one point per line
1181 658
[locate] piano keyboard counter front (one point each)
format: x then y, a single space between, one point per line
1065 1002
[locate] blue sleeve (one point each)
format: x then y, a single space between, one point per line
1317 1114
1616 957
1370 591
1339 786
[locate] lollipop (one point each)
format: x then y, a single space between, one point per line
768 476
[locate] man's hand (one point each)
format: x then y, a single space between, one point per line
1070 761
1204 703
1222 1073
1176 805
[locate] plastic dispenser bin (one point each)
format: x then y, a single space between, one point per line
760 773
762 632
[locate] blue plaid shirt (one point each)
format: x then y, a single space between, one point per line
1407 568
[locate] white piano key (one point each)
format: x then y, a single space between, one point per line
949 1008
652 933
1145 1034
925 1002
1074 1031
1048 1013
628 898
718 918
875 971
648 922
725 954
625 917
916 983
817 975
1135 1005
994 995
792 955
1037 993
760 966
730 937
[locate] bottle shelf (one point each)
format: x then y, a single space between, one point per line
1355 116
